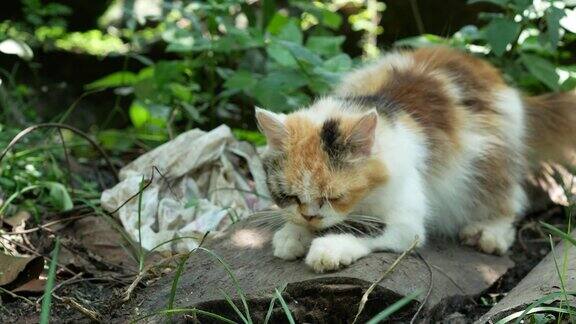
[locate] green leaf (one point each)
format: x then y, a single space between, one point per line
421 41
501 3
501 32
241 80
291 32
59 196
339 63
116 79
139 114
302 55
281 55
116 140
326 17
553 15
271 90
278 21
325 45
542 69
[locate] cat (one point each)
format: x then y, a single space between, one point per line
425 141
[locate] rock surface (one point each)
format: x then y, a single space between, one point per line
319 298
541 281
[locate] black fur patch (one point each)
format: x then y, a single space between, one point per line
332 141
384 105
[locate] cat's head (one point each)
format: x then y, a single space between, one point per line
320 165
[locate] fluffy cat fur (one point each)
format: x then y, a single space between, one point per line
431 140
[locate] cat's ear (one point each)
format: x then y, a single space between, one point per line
272 126
363 133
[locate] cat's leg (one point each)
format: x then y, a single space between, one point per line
334 251
291 241
405 223
501 200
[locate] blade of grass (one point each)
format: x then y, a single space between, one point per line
183 311
234 307
270 309
560 274
539 302
554 230
47 301
140 250
271 306
285 307
393 308
234 280
179 273
520 314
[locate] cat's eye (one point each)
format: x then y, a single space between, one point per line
335 199
293 198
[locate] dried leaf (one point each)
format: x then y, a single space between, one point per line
15 270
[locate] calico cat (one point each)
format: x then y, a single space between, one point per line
431 140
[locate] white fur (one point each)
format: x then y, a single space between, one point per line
333 251
509 103
490 236
291 241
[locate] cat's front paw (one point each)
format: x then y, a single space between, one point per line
333 252
492 238
291 242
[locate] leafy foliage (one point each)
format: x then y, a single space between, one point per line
232 57
528 40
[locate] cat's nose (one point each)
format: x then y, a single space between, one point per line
309 217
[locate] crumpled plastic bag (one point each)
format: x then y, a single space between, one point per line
206 181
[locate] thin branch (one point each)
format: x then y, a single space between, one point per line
430 285
386 273
43 226
417 16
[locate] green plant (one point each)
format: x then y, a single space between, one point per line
528 40
233 56
47 300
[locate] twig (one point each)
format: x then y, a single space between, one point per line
58 286
430 285
24 247
449 278
30 129
140 276
417 16
140 191
43 226
26 300
386 273
93 315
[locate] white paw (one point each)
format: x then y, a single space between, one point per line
332 252
492 237
291 242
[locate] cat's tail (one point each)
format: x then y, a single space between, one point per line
551 128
